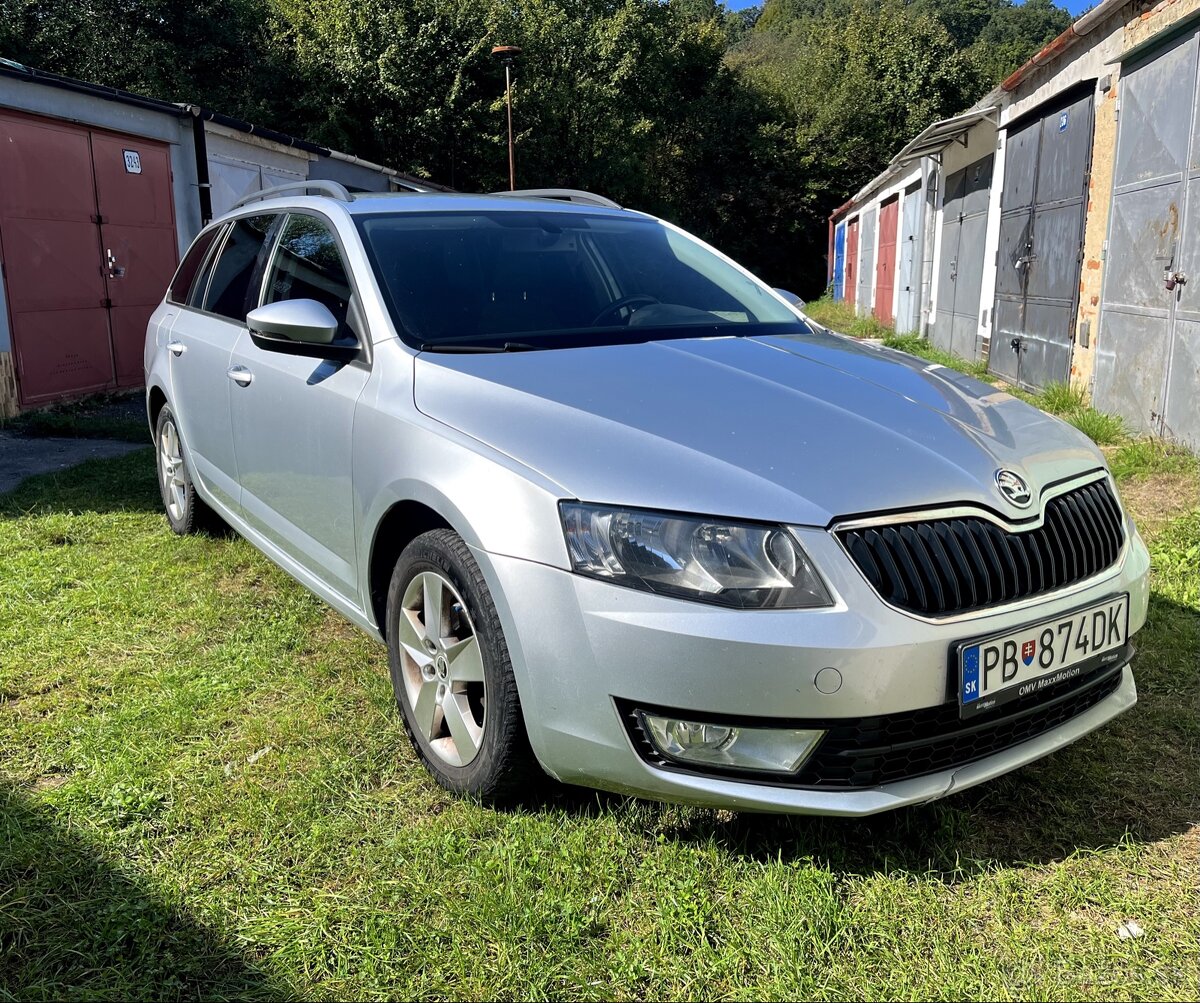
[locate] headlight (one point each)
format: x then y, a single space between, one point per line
743 565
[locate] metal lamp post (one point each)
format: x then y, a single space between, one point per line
506 54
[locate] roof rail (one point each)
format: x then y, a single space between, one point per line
563 195
330 188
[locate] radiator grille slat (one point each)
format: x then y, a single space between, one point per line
940 567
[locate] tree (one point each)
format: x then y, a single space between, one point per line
849 90
210 51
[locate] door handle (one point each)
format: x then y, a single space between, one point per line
241 376
115 271
176 348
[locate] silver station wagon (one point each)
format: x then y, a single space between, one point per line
623 515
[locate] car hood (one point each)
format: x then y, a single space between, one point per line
799 429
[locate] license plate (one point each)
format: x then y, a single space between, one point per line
1004 667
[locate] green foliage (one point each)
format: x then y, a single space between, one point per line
748 130
1071 404
213 52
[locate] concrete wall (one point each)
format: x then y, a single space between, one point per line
349 174
240 163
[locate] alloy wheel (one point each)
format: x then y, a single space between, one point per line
442 669
171 471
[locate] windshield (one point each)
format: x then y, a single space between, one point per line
519 280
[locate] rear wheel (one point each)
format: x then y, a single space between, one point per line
451 671
186 511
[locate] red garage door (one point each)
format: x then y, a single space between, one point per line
885 267
851 267
87 242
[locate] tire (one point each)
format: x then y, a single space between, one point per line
186 511
455 684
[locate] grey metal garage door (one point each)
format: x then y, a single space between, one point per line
960 272
1148 349
866 264
1042 209
908 270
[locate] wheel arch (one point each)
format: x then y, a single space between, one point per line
402 523
156 400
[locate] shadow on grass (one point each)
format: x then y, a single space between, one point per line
1134 780
102 416
122 484
126 483
72 925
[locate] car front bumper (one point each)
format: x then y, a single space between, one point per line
582 648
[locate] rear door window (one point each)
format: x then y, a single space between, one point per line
230 293
188 269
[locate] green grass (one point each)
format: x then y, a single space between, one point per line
914 344
1148 457
206 792
1103 429
839 316
1062 398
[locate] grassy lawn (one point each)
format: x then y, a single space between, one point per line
205 792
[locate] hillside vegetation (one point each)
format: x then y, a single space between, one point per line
747 129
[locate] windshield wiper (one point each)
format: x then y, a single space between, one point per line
458 348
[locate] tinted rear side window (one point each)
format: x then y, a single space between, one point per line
186 274
229 287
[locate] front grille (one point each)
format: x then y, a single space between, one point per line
861 753
940 567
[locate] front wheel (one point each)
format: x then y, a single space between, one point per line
451 672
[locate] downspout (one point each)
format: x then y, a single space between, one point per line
200 145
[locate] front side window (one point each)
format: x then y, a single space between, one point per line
308 265
229 289
559 279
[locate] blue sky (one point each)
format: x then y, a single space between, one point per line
1076 7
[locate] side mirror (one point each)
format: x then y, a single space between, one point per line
791 297
299 327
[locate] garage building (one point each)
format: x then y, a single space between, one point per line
100 193
1062 214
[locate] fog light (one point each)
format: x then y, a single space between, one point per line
780 750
